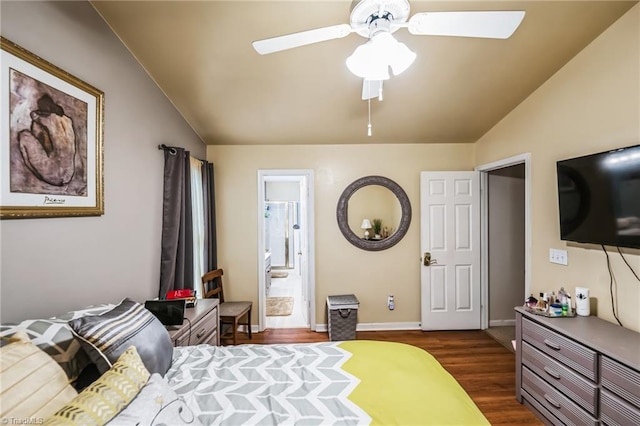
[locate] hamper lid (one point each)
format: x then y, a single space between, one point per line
343 301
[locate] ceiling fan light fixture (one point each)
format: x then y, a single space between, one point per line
401 59
372 60
367 63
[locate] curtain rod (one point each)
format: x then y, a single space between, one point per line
171 149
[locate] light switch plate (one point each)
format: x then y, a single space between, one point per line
558 256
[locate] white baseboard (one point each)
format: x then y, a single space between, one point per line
502 323
372 326
377 326
387 326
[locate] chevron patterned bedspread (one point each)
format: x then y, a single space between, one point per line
342 383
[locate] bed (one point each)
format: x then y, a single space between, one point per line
353 382
142 381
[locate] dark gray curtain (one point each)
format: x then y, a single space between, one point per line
210 238
176 258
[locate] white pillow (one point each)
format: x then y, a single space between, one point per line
32 385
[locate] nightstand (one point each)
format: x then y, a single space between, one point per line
201 328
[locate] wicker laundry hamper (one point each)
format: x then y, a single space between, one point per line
342 312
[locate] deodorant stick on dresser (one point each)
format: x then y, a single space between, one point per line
583 307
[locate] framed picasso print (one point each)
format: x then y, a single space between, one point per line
51 147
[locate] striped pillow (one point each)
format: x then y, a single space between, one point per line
54 336
107 396
105 337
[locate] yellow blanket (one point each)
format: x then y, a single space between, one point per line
405 385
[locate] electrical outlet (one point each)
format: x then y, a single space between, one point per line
391 303
558 256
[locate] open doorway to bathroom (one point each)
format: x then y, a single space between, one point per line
285 203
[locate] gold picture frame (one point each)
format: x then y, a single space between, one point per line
51 147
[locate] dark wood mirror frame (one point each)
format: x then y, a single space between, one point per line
343 213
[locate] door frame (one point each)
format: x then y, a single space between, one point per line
307 176
484 227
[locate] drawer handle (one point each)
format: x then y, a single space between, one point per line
551 401
201 333
552 345
552 373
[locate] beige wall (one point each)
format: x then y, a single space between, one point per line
590 105
49 266
340 267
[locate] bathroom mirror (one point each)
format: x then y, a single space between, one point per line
374 197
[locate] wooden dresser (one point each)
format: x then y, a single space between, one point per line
581 370
200 326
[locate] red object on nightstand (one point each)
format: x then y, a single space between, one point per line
180 294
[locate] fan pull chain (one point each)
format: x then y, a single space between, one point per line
369 126
369 105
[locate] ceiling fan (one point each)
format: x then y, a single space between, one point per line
378 19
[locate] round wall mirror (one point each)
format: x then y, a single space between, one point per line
374 213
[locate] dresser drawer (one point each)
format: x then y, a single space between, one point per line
211 339
199 331
615 411
562 349
202 329
621 380
183 340
582 391
542 413
553 401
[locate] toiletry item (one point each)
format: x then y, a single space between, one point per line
541 301
561 294
531 301
569 307
565 307
583 307
555 310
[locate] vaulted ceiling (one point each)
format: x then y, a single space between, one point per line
200 55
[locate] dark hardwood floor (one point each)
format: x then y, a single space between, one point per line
482 366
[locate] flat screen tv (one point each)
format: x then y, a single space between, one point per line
599 198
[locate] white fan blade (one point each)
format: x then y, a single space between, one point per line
485 24
371 89
303 38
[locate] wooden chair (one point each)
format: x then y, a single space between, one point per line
230 313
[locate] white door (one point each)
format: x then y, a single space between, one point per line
450 233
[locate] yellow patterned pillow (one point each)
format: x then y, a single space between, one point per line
107 396
32 385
